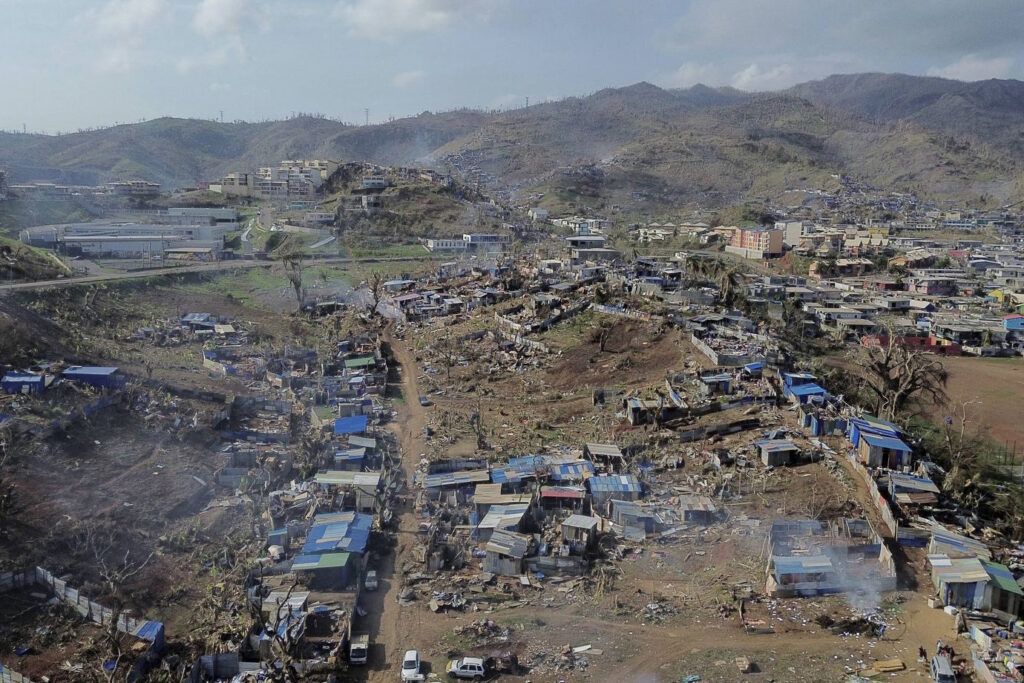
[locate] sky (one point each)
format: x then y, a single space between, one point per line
72 64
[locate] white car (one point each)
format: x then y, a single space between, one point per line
371 580
467 667
411 666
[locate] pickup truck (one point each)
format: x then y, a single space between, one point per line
359 648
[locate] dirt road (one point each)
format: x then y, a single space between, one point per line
397 629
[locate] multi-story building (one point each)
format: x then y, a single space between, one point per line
757 242
476 241
139 189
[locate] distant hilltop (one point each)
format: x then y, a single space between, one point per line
936 137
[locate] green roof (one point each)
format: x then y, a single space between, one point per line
1001 577
332 560
360 362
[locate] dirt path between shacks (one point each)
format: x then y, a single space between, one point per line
396 632
648 653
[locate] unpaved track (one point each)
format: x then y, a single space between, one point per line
397 631
415 627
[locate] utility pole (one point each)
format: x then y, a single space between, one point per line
367 112
222 116
527 101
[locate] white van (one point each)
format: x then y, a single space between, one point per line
942 670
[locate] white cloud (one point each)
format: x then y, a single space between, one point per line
407 78
121 24
973 68
756 77
392 19
217 17
231 48
121 18
692 73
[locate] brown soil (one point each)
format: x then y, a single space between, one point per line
998 383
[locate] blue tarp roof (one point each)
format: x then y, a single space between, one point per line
572 471
355 424
809 389
887 442
347 531
26 377
752 367
615 483
512 474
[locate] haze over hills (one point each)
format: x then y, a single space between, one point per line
941 138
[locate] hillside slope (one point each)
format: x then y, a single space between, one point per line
943 139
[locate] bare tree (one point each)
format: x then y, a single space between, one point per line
601 334
962 453
450 352
293 261
376 285
895 375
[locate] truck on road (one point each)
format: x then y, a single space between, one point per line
359 648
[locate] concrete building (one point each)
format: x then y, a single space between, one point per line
483 242
446 244
757 242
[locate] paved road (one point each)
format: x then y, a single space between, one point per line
177 270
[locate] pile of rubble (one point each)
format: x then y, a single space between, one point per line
485 632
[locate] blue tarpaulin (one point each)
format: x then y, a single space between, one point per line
355 424
887 442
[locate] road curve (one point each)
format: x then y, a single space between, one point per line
178 270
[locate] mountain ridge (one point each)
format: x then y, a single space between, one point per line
957 138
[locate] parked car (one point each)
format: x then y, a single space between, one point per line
467 667
425 402
411 666
942 670
370 583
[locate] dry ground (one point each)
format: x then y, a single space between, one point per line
998 383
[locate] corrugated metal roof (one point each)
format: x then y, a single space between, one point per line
362 441
607 450
776 445
945 541
580 522
347 531
89 371
910 483
614 483
344 478
889 443
1002 577
561 492
462 478
947 569
363 362
572 471
503 516
810 389
802 564
508 543
696 502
